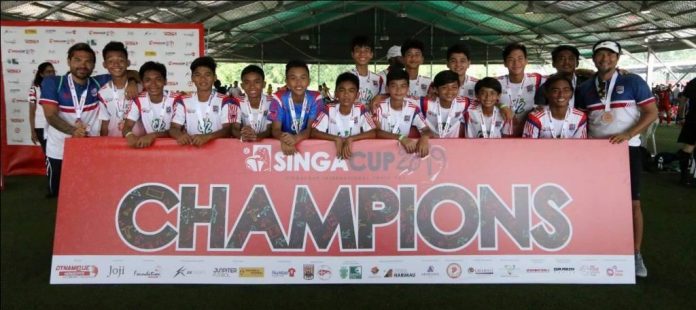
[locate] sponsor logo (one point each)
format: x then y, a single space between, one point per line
191 54
13 71
185 272
30 31
12 61
67 41
13 41
509 271
13 82
224 272
537 270
67 31
564 270
480 271
619 89
262 158
251 272
169 33
177 63
589 270
92 43
161 43
130 33
16 120
430 272
102 33
308 271
53 61
130 43
17 130
116 271
15 90
28 51
351 272
10 31
324 272
169 53
614 271
76 271
399 273
150 53
454 270
15 100
175 83
27 41
153 273
189 34
280 273
291 272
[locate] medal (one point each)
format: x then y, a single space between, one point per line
297 123
78 104
607 117
605 97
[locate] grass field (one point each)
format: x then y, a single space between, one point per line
669 250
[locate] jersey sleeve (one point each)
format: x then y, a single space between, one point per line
321 123
532 127
643 94
580 99
581 131
102 79
179 117
104 114
225 117
418 120
506 131
276 113
366 121
133 113
49 91
32 95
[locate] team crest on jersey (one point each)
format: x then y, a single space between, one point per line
146 110
457 114
190 111
498 123
530 88
94 91
169 110
571 127
216 109
471 92
374 83
355 120
619 89
424 87
407 118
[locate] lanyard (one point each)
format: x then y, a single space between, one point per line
79 105
487 133
561 134
518 95
606 99
443 127
297 123
118 101
393 122
255 118
339 123
207 108
163 108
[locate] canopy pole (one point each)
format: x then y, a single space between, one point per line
487 60
432 53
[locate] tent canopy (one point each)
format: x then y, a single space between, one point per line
321 31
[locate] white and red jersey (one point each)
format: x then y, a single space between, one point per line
446 120
39 118
541 125
383 74
419 87
113 107
202 117
333 122
520 96
467 88
478 125
370 85
242 113
154 116
399 121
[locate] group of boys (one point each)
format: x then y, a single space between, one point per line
391 105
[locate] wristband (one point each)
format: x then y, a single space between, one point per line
130 133
401 137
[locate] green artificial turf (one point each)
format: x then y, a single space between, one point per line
669 251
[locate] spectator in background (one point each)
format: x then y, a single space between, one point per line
219 88
37 120
235 91
688 134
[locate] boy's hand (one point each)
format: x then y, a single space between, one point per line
199 140
409 144
288 139
339 147
145 141
288 149
423 147
347 148
248 134
183 139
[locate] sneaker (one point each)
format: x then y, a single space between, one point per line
641 271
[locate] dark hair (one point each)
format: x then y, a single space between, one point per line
81 47
296 64
411 43
253 69
360 41
152 66
114 46
555 78
560 48
445 77
488 82
347 77
514 46
205 61
458 48
397 72
42 67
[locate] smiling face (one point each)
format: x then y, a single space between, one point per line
515 62
203 77
253 85
297 80
413 58
459 63
559 93
605 60
488 97
398 89
81 64
448 92
154 82
362 55
116 63
565 62
346 93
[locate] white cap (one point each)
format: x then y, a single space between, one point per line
610 45
394 51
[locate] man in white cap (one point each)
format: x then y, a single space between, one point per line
394 58
619 106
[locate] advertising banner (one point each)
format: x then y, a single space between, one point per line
25 45
473 211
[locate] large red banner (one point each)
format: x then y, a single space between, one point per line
473 211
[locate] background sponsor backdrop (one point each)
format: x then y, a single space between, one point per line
170 214
27 44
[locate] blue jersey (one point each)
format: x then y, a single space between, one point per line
282 103
630 92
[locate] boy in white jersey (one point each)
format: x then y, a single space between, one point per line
412 51
557 120
445 113
396 114
204 115
370 83
250 113
154 107
485 119
113 98
346 121
458 60
518 87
